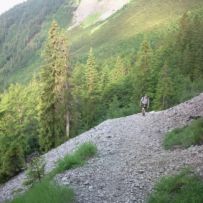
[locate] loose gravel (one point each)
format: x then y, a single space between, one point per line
130 159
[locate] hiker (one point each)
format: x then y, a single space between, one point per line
144 104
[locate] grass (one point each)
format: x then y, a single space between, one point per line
185 137
139 16
78 158
48 192
185 187
90 20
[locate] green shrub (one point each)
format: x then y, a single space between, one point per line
185 187
46 192
35 171
185 137
78 158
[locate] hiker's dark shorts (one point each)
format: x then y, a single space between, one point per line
144 106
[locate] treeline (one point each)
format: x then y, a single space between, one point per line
64 100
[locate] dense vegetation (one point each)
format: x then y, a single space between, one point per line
185 187
185 137
74 91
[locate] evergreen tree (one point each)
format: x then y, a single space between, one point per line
54 91
114 110
92 87
119 72
104 79
62 92
91 75
164 92
142 72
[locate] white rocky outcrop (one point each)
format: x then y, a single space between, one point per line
130 157
104 9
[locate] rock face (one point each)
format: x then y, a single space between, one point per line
102 8
130 157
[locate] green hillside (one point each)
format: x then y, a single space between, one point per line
138 17
24 29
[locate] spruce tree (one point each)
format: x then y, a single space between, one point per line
104 79
54 91
165 92
62 90
92 87
91 75
119 72
142 72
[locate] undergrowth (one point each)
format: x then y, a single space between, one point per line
186 187
185 137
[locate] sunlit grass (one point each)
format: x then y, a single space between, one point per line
46 192
185 137
78 158
185 187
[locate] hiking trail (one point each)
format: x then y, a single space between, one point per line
130 157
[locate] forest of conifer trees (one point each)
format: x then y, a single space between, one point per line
68 97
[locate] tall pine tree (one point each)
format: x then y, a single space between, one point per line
55 90
165 92
142 73
91 75
119 72
92 87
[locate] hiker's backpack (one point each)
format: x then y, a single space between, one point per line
144 100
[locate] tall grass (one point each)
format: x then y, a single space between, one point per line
185 137
78 158
46 192
185 187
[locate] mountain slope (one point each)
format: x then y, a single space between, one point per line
24 30
138 17
130 157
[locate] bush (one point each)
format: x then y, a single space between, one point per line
46 192
185 187
185 137
78 158
35 171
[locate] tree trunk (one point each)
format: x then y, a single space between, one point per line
68 124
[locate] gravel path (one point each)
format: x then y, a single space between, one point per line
130 157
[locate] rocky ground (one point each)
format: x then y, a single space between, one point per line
130 157
103 8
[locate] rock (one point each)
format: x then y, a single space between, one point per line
86 183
